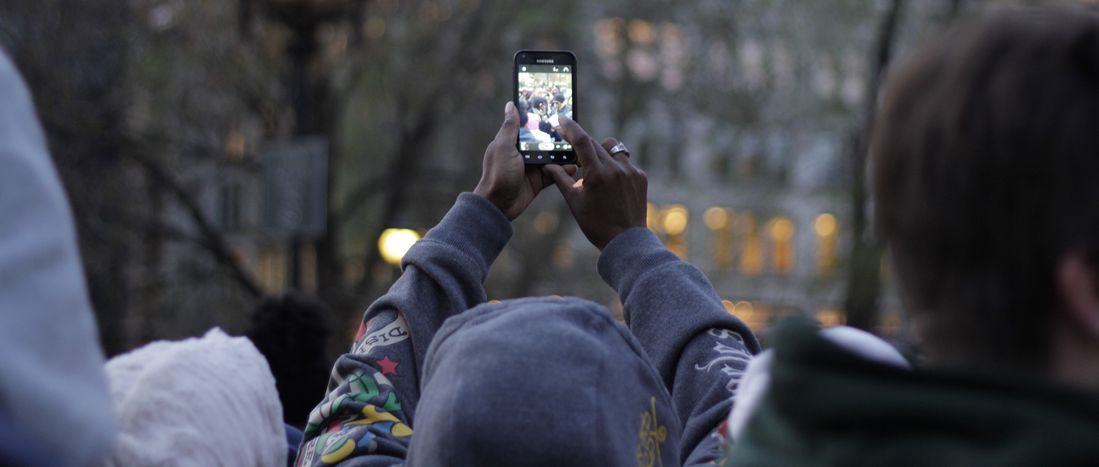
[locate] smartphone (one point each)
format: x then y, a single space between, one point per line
545 89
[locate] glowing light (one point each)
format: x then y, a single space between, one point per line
394 243
716 218
545 222
674 219
825 225
651 216
751 261
831 317
782 229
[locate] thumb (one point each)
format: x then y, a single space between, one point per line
560 177
509 131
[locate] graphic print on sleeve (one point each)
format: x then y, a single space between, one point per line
729 359
361 416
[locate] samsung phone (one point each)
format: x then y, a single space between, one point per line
545 89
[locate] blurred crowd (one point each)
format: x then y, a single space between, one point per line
539 108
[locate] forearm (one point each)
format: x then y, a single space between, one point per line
443 274
375 387
698 348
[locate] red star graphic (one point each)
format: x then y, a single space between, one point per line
389 367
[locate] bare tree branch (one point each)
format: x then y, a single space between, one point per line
212 239
475 33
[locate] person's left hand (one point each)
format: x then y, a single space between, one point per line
506 181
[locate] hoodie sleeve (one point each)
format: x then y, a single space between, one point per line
366 417
699 349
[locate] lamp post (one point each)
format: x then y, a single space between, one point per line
303 18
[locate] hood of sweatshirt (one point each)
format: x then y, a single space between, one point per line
52 385
541 382
828 406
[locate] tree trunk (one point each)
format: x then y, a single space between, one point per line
864 271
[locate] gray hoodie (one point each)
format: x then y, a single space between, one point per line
683 351
52 385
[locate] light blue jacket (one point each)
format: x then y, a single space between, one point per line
52 385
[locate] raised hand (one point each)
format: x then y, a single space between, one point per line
506 181
611 195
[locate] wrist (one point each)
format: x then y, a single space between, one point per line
613 233
487 194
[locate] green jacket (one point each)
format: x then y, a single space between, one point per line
826 406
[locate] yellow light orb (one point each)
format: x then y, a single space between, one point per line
716 218
545 222
394 243
782 229
825 225
675 219
651 216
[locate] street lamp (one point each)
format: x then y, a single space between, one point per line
394 243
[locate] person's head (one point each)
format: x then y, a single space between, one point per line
557 380
291 331
986 175
206 400
538 103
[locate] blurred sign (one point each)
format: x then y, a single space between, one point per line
295 183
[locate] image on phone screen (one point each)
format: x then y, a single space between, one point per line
545 89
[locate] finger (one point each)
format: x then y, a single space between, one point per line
509 130
570 169
606 158
622 157
609 143
563 180
581 142
538 178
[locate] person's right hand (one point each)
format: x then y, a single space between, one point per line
611 196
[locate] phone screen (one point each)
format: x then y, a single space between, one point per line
545 89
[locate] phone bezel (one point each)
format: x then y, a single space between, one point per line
532 57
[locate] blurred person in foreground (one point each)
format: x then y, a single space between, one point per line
201 402
54 405
536 381
985 168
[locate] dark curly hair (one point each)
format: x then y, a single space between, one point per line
291 331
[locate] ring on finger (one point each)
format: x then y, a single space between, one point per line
620 147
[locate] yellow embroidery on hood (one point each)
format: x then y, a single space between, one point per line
652 435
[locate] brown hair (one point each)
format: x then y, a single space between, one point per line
986 173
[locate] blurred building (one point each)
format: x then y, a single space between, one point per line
744 140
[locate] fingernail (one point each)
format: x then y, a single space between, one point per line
508 107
